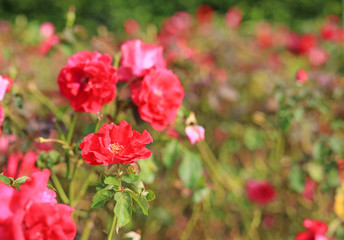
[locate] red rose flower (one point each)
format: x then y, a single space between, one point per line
89 81
158 97
131 26
115 144
261 192
138 58
33 213
316 230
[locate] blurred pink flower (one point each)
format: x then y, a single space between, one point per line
260 192
131 26
308 191
47 29
19 165
5 140
2 116
316 230
138 58
318 56
268 221
301 76
5 85
233 17
195 133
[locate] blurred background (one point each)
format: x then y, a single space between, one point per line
274 135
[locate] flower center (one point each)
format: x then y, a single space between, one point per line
157 92
116 148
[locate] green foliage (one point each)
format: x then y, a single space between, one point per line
190 169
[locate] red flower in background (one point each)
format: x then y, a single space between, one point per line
301 76
19 165
261 192
301 44
33 213
308 191
158 97
138 58
89 81
131 26
233 17
316 230
205 14
115 144
47 29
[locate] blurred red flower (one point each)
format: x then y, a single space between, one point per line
89 81
138 58
131 26
316 230
47 29
233 17
261 192
204 14
33 212
115 144
158 97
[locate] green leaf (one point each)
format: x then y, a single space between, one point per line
5 180
200 194
122 209
112 180
19 181
170 153
101 197
297 179
253 139
190 170
142 202
316 171
150 196
131 178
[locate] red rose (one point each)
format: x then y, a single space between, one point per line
131 26
138 58
89 81
158 97
261 192
204 14
115 144
316 230
33 213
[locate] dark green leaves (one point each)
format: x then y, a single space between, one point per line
101 197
